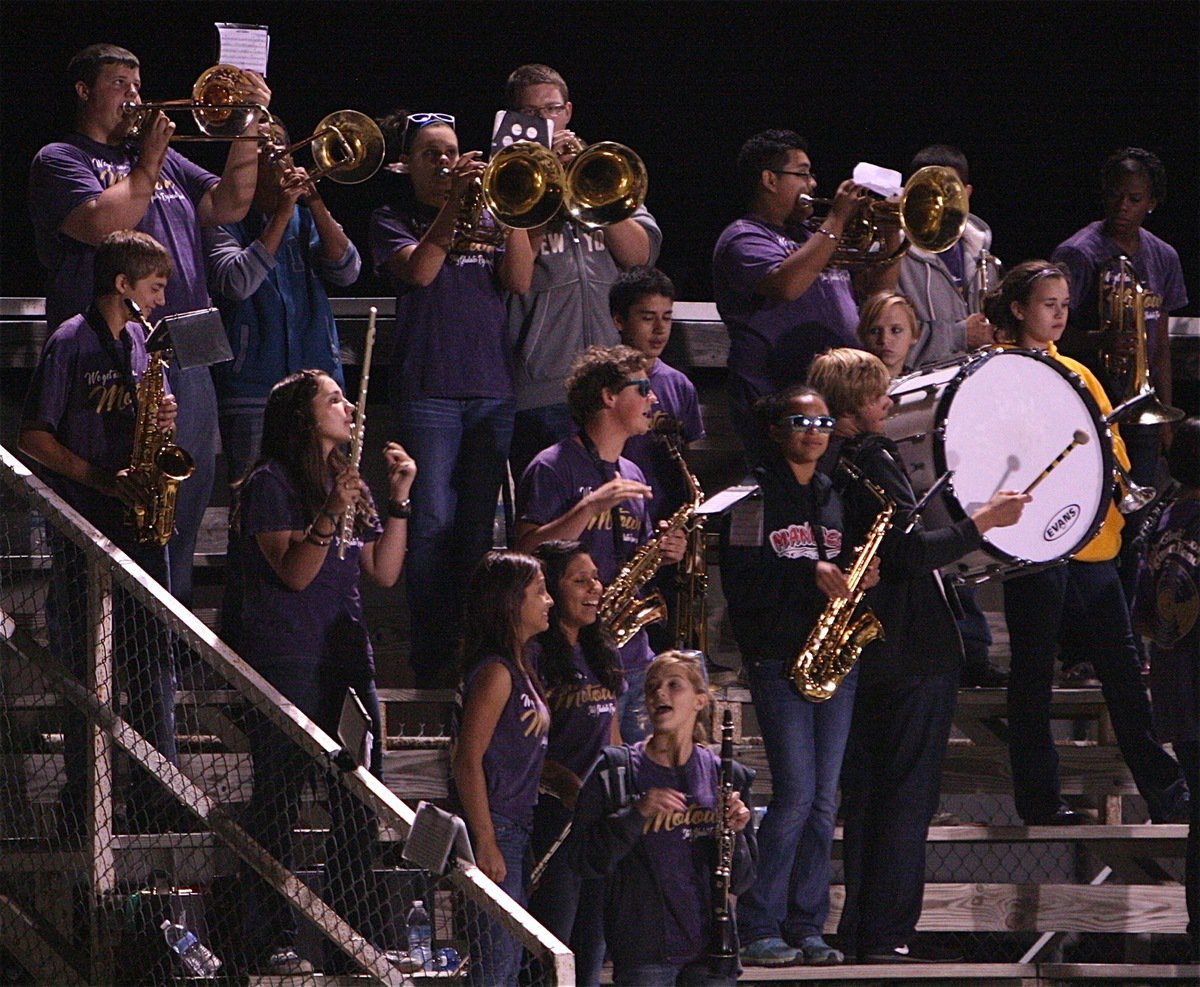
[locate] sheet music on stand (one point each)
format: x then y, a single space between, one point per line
435 832
244 46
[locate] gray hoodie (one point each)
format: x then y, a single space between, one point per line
941 309
566 308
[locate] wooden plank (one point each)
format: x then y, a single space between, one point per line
1043 908
417 774
1053 974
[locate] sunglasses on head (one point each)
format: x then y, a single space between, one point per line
808 423
416 121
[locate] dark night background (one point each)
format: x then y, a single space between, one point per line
1037 94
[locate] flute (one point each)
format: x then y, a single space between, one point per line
360 422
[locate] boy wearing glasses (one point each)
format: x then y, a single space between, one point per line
566 311
781 562
584 489
908 679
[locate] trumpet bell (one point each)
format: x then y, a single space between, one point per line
220 97
348 147
606 183
523 185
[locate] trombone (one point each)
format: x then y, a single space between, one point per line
220 105
931 211
347 147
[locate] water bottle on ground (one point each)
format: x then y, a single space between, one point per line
196 959
420 936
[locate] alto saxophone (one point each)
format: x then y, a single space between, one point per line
621 607
837 639
722 948
163 464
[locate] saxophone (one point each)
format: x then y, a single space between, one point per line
163 464
837 639
621 607
722 948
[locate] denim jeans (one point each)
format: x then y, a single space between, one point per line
495 954
241 439
891 784
1080 607
538 429
804 743
631 707
142 657
669 975
281 770
195 431
460 447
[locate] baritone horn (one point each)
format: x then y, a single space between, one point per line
220 105
347 146
931 211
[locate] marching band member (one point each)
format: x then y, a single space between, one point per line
304 633
1079 605
566 310
97 181
580 667
646 825
499 740
583 488
888 329
908 681
781 554
450 378
774 289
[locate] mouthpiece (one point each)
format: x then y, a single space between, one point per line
134 307
1081 437
664 424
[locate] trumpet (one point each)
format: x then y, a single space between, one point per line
347 146
220 105
931 211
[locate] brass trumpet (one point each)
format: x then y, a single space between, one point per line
931 211
220 105
347 146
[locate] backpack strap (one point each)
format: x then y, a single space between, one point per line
616 775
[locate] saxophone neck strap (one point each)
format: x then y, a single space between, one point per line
602 468
121 353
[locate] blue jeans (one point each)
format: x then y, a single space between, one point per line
631 707
538 429
195 431
460 447
669 975
1079 607
281 770
890 789
496 955
241 439
804 743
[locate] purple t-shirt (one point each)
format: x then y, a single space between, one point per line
450 335
83 394
1156 266
774 340
581 715
512 763
680 846
677 398
555 481
65 175
323 620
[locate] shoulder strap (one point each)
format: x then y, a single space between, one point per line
616 775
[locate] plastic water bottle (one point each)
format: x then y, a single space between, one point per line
195 958
420 936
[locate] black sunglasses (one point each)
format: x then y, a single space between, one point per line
808 423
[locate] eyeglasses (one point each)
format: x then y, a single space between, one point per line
808 423
416 121
798 174
545 110
642 384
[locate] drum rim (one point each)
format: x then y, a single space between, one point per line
954 508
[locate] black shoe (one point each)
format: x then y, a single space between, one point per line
1060 817
1180 812
984 676
720 675
916 952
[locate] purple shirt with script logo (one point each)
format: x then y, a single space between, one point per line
451 334
680 847
512 763
581 715
555 481
67 174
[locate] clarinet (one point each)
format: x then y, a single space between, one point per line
360 423
722 944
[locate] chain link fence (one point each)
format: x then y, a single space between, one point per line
166 814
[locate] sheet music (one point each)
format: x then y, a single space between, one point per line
244 46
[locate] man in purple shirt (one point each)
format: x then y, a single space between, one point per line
781 301
98 180
583 489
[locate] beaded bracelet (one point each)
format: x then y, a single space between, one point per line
401 509
316 538
824 232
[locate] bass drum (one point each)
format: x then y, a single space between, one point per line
997 421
